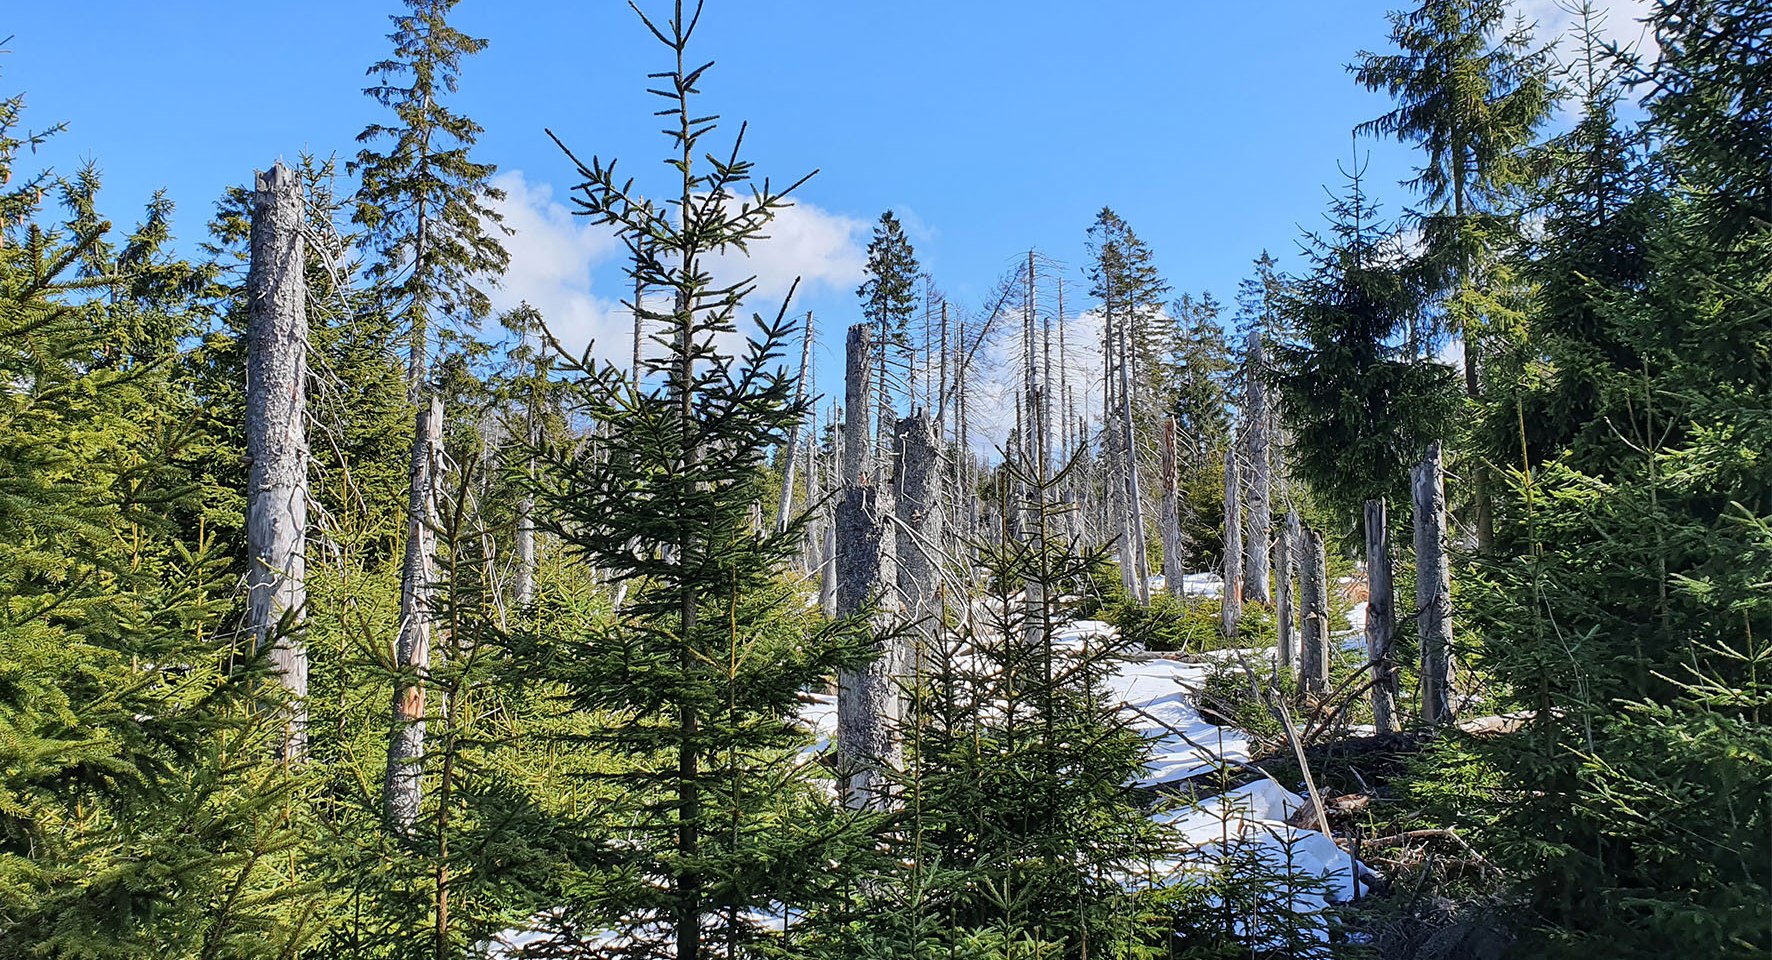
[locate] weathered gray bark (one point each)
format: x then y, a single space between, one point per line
1231 608
639 333
1381 618
1172 572
1433 588
1313 579
1285 612
403 784
866 697
525 579
1258 517
917 500
1134 502
786 506
276 442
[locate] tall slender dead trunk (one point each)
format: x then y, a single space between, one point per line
1172 572
866 697
1381 622
526 560
276 443
1433 588
1231 606
402 786
1258 518
1285 552
639 333
1134 501
786 506
917 501
1314 580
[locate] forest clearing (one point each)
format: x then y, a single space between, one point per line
1416 606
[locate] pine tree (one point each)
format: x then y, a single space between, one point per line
425 206
1360 407
140 814
888 301
1630 621
699 677
1202 374
1470 94
1021 836
1136 341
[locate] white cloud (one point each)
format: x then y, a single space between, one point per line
1621 22
823 249
569 268
553 256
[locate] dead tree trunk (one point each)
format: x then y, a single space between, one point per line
786 506
917 500
1381 620
1285 549
865 578
276 443
1433 589
1134 504
1231 608
1258 521
1172 573
403 784
525 585
1314 580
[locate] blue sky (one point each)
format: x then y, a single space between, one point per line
990 125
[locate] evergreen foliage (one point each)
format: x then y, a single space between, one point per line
1360 407
140 814
700 671
888 301
1021 832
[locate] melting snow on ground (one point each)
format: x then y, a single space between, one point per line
1244 825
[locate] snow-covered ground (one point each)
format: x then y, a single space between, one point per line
1246 825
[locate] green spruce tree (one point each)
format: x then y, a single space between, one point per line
699 672
425 206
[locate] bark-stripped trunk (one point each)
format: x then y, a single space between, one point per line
1231 608
1314 580
1134 503
866 697
1381 621
1433 589
1285 550
1172 572
525 585
276 443
639 334
917 500
403 784
1258 520
785 507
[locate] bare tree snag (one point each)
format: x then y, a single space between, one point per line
1433 588
1314 581
403 784
276 442
786 506
1133 538
1172 571
866 697
1381 618
639 332
1231 606
1258 520
1285 550
917 500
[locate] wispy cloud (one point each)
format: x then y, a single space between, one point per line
569 268
1621 22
